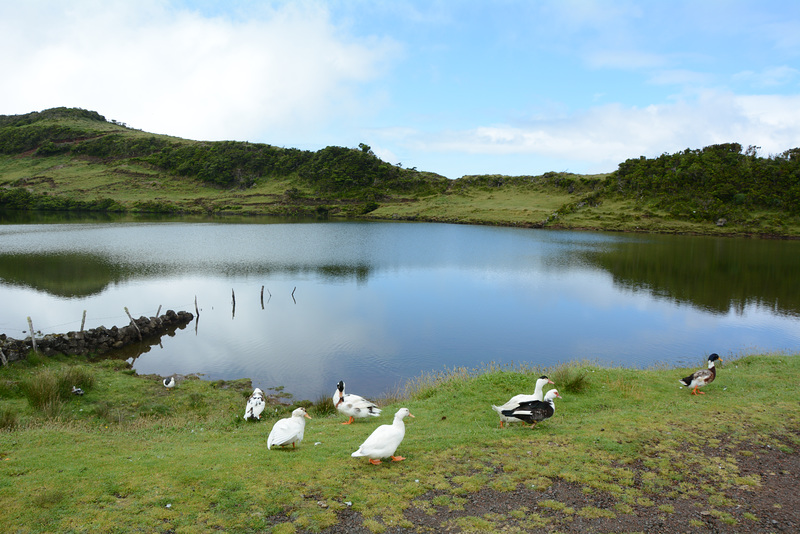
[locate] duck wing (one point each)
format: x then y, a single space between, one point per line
530 412
286 431
358 406
701 377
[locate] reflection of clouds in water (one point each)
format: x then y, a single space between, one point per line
377 303
300 346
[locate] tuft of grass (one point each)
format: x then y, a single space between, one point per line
323 406
8 419
570 379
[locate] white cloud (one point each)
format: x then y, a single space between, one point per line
177 72
602 137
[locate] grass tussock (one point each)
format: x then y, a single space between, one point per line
47 389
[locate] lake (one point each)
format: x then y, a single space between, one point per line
377 303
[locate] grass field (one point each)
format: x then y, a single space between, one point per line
130 455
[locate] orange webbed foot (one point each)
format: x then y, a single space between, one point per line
374 462
349 421
398 458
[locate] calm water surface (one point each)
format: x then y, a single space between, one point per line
375 303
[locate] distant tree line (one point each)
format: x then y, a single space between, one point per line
713 181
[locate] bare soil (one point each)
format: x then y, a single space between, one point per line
771 507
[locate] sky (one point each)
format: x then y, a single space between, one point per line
455 87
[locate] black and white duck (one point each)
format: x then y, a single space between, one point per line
516 400
535 411
353 405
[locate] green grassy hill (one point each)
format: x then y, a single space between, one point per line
73 159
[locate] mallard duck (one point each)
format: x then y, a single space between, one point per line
384 440
289 430
516 400
702 377
169 382
533 412
353 405
255 405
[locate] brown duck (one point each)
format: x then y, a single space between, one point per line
702 377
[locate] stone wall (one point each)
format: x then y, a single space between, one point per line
96 340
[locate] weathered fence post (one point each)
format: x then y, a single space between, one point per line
33 336
136 326
83 320
262 297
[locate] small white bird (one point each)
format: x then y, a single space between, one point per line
384 440
289 430
76 390
255 405
169 382
353 405
516 400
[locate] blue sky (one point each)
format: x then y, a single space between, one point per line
508 87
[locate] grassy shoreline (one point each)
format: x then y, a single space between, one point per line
131 455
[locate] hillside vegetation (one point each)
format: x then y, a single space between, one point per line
74 159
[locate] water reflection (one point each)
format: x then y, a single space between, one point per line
378 303
718 275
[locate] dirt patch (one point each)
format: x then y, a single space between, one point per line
771 507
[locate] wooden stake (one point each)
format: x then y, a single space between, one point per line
196 311
33 337
262 297
83 320
136 326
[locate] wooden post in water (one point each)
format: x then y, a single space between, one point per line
136 326
158 314
262 297
196 311
83 320
233 304
33 337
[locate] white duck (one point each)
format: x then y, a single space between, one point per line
169 382
255 405
384 440
516 400
289 430
353 405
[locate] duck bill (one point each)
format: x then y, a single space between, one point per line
307 416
